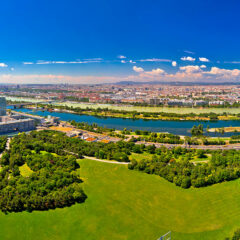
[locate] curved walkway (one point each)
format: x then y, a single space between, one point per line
106 161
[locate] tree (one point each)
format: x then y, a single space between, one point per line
236 235
197 130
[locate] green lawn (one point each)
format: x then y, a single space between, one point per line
134 108
141 156
25 170
151 109
124 204
207 158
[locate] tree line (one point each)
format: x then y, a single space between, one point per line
175 166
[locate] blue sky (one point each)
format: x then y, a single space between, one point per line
108 40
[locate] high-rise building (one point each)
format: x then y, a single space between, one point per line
3 106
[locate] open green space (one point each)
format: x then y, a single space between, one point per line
125 204
206 158
135 108
141 156
182 110
25 170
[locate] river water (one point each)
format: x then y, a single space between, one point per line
175 127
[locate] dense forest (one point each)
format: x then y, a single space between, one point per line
53 181
3 141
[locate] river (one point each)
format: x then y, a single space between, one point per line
175 127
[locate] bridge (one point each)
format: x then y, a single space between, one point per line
20 105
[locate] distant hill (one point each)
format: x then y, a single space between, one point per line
177 83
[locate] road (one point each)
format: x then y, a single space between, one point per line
210 147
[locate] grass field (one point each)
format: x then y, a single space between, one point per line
142 156
139 109
124 204
226 129
154 109
25 170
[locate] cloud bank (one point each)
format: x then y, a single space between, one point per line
191 73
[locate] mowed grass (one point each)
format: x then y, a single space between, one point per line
134 108
181 110
141 156
124 204
25 170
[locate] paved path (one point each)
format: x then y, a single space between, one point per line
8 144
196 162
99 160
106 161
7 147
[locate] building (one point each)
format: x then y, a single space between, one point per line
19 125
14 122
178 102
3 106
155 101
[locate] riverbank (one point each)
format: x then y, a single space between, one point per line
174 127
164 116
182 110
143 137
225 129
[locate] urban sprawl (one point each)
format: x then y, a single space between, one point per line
142 94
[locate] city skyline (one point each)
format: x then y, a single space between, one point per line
107 42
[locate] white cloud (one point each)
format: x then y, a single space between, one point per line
190 69
122 57
125 61
191 59
154 60
66 62
138 69
93 59
224 72
174 63
233 62
12 69
27 63
203 59
190 52
203 66
153 72
156 72
3 65
43 62
186 74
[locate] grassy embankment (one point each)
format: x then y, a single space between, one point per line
182 110
173 110
125 204
226 129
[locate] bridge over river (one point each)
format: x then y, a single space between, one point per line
24 104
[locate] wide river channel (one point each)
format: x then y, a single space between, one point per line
175 127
